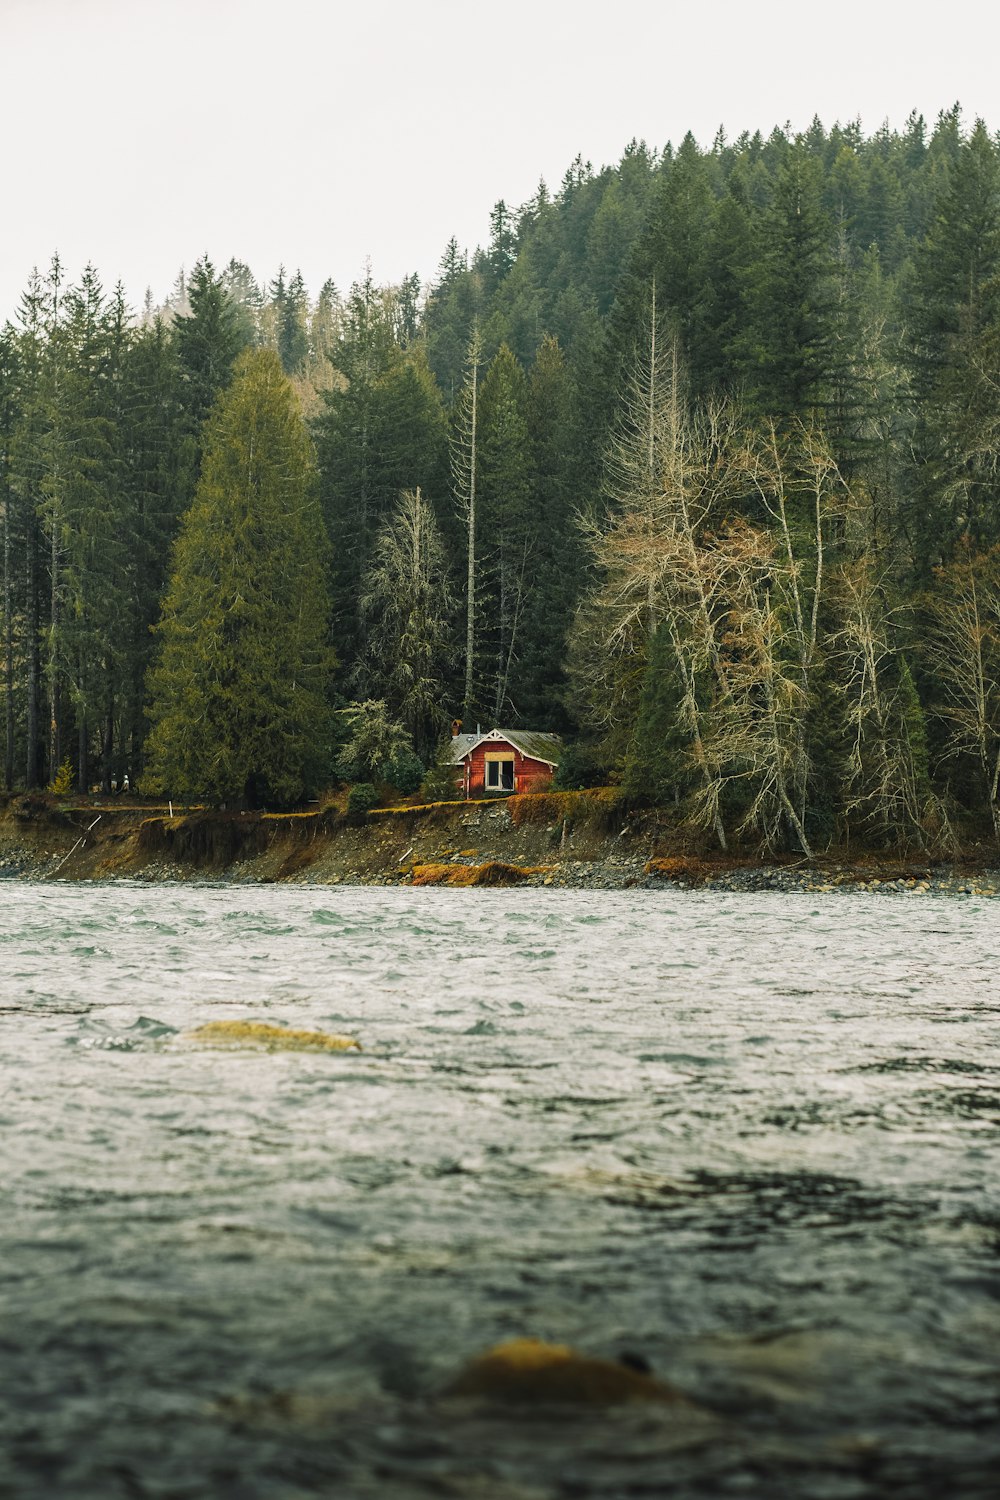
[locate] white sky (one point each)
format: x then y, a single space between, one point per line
140 133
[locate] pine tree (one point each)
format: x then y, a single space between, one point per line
555 575
9 412
503 242
657 764
209 337
954 314
154 480
247 299
292 331
383 430
27 469
507 532
86 495
464 483
238 695
789 340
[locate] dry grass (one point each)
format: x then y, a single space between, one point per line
408 809
598 806
272 1038
492 874
682 867
529 1371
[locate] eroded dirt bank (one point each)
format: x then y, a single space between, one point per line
566 839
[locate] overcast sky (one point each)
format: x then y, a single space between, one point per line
140 133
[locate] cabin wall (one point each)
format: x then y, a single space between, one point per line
529 775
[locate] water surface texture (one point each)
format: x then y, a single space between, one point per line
751 1138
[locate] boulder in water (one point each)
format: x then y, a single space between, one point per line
530 1371
273 1038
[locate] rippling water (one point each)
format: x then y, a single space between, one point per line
751 1137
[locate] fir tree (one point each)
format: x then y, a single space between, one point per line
508 533
209 337
789 341
238 695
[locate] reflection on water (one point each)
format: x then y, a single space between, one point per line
750 1140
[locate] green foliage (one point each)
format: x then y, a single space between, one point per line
847 288
238 694
442 783
381 432
62 783
789 342
375 743
505 535
361 798
407 609
656 764
207 339
580 766
405 772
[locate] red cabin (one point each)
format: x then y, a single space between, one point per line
505 760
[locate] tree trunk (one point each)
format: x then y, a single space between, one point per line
108 748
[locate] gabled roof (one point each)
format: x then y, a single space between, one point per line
534 743
460 746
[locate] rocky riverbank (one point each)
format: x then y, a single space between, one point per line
589 840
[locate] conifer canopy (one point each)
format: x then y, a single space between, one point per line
238 694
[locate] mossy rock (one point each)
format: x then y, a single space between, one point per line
530 1371
272 1038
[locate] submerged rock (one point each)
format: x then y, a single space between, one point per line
530 1371
273 1038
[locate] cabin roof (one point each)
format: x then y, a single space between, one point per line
460 746
534 743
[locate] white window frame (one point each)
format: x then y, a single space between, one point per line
494 768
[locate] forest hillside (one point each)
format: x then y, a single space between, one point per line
696 462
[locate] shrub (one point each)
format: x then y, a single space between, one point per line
442 783
405 771
361 798
62 783
374 744
579 767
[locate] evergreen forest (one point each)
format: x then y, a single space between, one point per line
696 463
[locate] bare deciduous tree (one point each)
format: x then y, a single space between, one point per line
963 649
887 781
407 602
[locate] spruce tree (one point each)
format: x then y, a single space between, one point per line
381 432
9 411
657 763
209 337
789 340
238 695
507 529
556 569
954 314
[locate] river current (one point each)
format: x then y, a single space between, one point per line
751 1138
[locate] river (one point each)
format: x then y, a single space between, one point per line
752 1138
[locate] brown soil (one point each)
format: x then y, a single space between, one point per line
588 838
